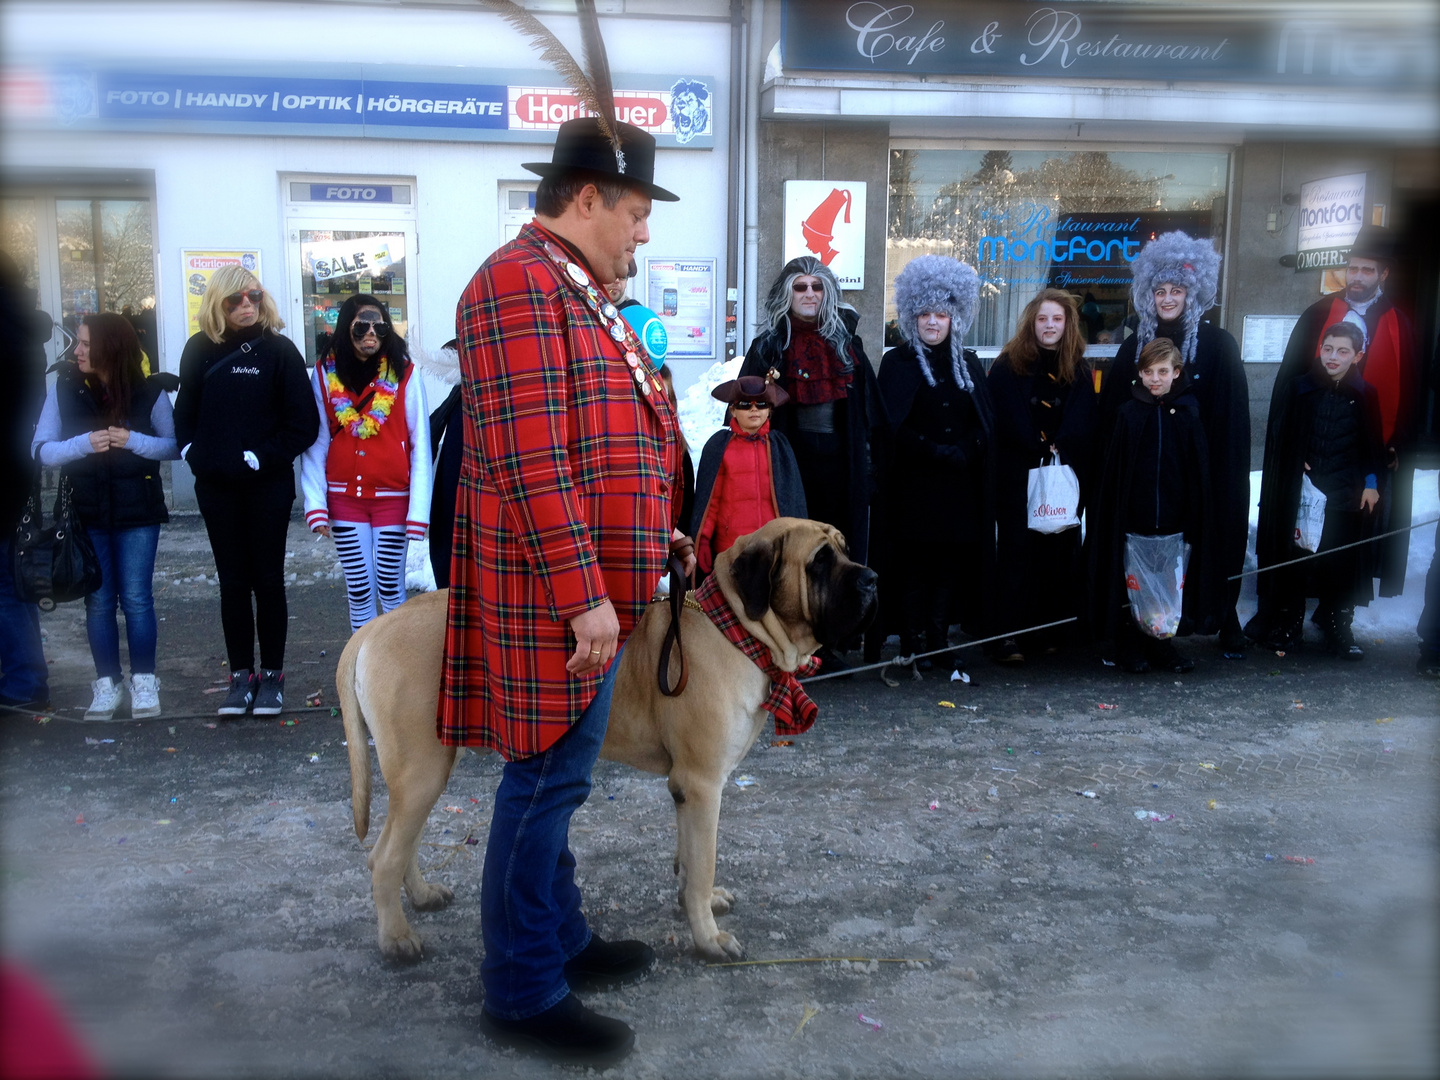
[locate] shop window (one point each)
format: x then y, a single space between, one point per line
1032 219
106 259
18 238
336 264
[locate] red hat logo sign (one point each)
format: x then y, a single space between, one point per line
825 220
819 227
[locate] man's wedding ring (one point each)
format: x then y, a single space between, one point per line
594 652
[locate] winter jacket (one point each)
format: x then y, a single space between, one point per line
744 482
247 393
120 488
1155 482
394 463
25 331
859 420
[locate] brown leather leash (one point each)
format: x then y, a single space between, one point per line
679 586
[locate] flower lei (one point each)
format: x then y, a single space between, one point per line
361 425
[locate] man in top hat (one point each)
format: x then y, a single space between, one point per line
748 474
565 512
1390 365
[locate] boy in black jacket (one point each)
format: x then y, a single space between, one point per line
1329 430
1155 482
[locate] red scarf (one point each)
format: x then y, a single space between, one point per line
814 373
792 708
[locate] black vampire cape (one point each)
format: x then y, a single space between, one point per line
859 414
1183 436
892 542
1018 449
1218 382
1396 488
1280 498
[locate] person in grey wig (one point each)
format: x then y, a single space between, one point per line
936 534
1176 279
808 345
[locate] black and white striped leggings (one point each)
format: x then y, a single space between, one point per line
373 558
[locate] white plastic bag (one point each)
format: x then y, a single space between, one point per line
1053 497
1310 518
1155 581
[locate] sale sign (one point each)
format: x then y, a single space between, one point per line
329 259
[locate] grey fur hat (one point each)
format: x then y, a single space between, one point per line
1175 258
938 283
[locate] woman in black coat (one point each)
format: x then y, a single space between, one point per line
1176 280
1045 404
935 535
245 411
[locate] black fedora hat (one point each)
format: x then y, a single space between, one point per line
579 144
1374 242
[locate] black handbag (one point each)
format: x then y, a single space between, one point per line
55 565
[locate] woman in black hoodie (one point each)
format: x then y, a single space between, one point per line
1045 404
243 414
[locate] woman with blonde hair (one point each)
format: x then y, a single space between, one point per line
243 414
1045 405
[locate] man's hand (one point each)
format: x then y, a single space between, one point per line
1369 499
689 559
100 440
119 436
597 637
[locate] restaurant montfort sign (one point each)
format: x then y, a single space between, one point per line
1103 41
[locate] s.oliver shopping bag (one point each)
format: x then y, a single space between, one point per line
1053 497
1155 581
1310 517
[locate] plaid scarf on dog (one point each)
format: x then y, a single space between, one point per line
792 708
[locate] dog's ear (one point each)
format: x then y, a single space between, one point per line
750 574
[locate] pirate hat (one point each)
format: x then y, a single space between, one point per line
750 388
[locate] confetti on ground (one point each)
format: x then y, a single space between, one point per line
80 819
1102 705
1208 765
212 727
454 810
946 704
972 708
869 1021
164 821
1297 704
1280 653
1301 859
1151 815
1087 794
313 699
934 804
782 742
1210 805
810 1013
744 781
1385 720
314 759
171 750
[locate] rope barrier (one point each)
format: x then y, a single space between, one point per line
1330 551
48 716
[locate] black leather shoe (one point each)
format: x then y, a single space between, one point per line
568 1033
603 964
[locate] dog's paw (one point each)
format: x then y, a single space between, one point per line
431 898
721 901
721 947
405 949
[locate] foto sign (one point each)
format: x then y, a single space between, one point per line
1331 213
826 219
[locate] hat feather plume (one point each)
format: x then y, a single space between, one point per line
594 90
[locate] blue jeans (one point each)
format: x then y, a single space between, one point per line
529 903
127 567
23 675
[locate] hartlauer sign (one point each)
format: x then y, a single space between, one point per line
826 219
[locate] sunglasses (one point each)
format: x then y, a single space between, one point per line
743 405
817 287
360 327
234 299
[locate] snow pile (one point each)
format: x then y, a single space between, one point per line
1391 617
700 414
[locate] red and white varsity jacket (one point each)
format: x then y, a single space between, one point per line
394 463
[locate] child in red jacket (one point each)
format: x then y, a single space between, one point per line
747 474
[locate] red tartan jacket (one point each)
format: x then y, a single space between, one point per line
566 497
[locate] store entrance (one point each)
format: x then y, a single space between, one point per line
348 236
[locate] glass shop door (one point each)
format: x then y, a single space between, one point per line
340 249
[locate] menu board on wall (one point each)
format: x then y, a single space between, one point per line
197 269
682 293
1264 338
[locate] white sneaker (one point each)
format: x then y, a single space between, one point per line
105 696
144 697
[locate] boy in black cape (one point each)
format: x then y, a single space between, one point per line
1330 429
1155 481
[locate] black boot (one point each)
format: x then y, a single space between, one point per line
567 1032
1164 656
1232 639
603 964
1339 638
1287 631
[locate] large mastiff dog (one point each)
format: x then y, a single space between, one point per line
792 587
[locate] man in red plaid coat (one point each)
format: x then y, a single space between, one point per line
566 507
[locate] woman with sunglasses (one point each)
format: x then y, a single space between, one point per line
367 477
108 426
243 414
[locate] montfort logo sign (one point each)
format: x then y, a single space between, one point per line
1331 213
1109 41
